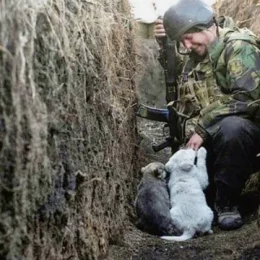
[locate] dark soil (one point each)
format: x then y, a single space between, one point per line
240 244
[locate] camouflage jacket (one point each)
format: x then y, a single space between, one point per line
225 83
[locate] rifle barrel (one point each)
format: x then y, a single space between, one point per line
151 113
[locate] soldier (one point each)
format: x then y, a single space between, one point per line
219 91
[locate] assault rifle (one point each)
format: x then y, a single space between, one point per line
168 60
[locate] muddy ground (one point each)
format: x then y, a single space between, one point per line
241 244
134 244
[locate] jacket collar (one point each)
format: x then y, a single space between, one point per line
216 48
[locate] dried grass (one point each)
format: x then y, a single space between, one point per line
245 12
67 127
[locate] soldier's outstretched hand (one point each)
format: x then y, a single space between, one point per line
195 142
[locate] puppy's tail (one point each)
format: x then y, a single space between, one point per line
187 234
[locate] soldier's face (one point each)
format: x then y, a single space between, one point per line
198 42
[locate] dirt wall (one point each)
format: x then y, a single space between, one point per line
67 127
245 12
151 86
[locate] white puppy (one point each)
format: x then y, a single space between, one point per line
189 210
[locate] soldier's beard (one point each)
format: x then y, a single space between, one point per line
200 50
200 54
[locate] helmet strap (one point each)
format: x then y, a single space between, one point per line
215 21
179 51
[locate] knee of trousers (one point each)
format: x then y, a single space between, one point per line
231 129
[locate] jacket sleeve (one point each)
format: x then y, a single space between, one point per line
240 82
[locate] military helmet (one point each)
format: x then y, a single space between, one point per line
185 15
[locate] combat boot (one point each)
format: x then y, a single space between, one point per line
229 218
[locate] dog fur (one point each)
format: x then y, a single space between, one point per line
152 202
189 210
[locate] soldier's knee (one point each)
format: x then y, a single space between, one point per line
232 128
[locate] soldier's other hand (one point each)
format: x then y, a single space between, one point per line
195 142
158 30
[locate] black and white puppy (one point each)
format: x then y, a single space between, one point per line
152 202
189 210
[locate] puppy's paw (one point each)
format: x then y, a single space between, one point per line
202 153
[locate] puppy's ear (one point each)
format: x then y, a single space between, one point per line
185 165
143 170
161 173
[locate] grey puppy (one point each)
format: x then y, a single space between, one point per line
152 202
